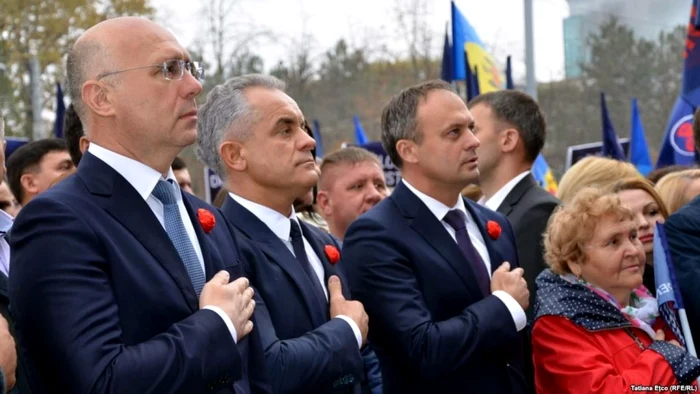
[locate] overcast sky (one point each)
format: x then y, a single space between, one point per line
499 23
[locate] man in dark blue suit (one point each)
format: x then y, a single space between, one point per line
120 282
437 273
683 235
253 133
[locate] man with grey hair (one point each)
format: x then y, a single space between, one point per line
434 269
253 133
122 283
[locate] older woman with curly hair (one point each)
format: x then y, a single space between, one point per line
597 328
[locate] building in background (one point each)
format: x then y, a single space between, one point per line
647 18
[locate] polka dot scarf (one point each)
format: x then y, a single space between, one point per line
642 310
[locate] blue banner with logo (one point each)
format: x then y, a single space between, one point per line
391 173
212 184
578 152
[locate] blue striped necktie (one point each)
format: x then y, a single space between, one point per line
174 226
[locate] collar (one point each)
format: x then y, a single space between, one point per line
275 221
436 207
497 199
6 221
142 177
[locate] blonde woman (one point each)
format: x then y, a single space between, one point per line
678 188
593 171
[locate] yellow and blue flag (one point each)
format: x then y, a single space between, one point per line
544 175
464 38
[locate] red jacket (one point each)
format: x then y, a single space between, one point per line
580 346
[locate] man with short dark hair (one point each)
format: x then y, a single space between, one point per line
182 175
75 137
34 166
511 129
351 183
434 269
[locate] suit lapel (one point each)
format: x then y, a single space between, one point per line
123 203
516 194
278 252
494 255
427 225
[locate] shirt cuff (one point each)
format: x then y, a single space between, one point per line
516 311
226 320
355 329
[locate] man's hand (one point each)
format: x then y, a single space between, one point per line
512 282
351 309
8 355
235 299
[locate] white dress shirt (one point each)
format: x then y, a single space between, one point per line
281 227
6 221
144 179
497 199
440 210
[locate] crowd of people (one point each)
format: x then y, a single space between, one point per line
310 275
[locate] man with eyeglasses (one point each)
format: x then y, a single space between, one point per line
121 282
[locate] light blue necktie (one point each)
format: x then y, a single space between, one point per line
165 193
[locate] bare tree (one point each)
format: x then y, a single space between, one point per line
414 29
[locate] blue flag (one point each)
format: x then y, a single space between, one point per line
360 137
678 145
611 144
60 112
317 137
668 293
509 75
639 151
446 73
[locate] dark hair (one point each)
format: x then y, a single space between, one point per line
520 111
26 159
399 116
73 132
659 173
178 164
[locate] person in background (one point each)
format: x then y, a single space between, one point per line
34 166
679 188
182 175
512 131
597 328
352 182
8 202
639 195
472 192
74 135
659 173
593 171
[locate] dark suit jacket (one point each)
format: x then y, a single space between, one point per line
305 350
22 384
430 325
104 304
528 208
683 235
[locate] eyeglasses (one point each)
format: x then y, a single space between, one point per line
173 70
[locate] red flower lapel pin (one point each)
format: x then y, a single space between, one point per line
206 219
332 253
494 229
